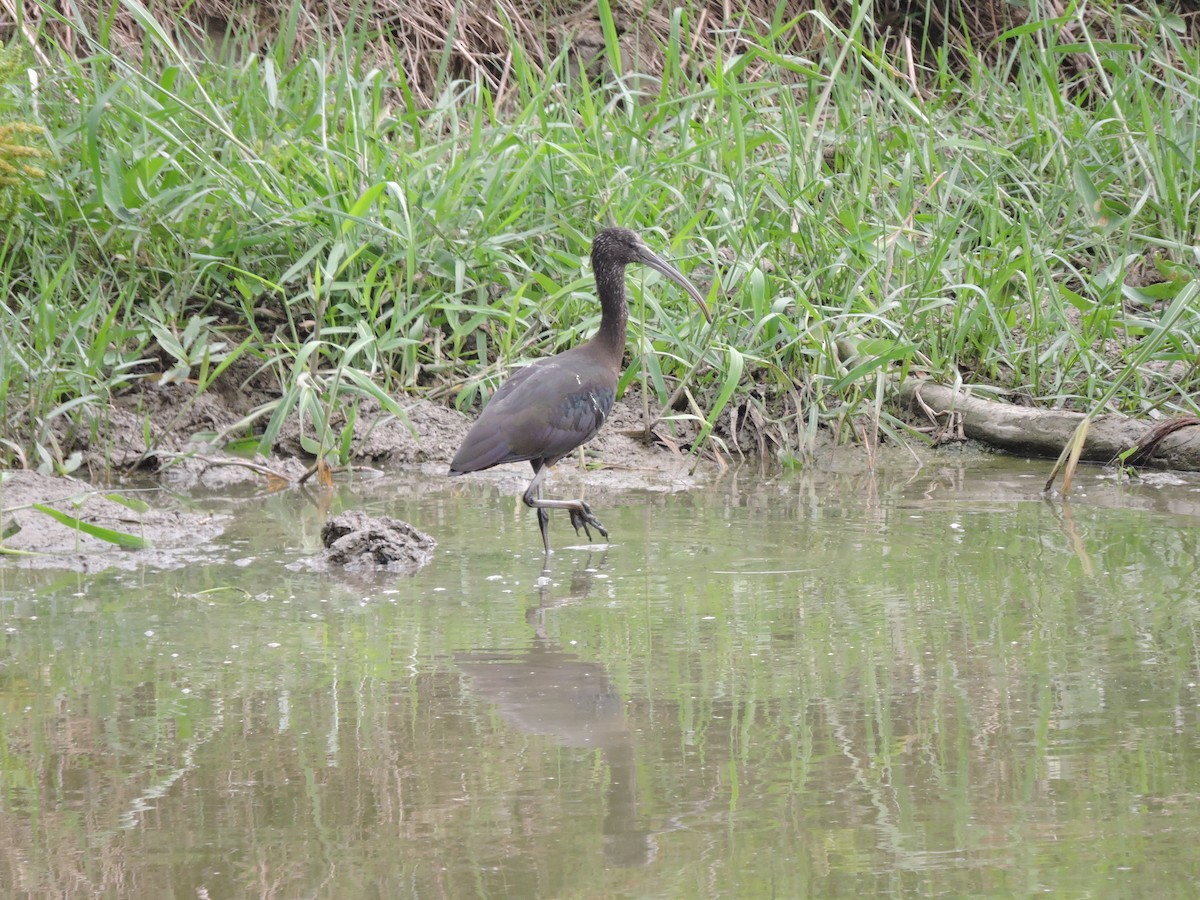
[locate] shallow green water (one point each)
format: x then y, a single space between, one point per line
817 684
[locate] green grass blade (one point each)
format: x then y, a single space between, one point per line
119 538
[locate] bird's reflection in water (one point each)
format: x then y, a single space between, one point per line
546 690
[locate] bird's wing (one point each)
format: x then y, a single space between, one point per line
552 409
486 444
512 382
568 414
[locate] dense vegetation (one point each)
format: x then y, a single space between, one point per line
1019 215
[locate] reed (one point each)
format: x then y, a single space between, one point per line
997 217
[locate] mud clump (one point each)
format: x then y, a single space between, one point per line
357 542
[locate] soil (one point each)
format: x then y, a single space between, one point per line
170 432
175 537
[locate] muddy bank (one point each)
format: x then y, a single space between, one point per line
1162 444
171 435
180 437
173 536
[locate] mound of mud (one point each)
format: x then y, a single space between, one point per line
360 543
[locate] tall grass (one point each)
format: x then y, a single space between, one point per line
1021 224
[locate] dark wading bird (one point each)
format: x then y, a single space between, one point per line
547 409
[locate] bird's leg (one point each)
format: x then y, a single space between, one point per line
544 524
533 498
581 514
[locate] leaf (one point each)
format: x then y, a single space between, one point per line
362 204
243 446
120 538
138 506
729 383
1078 301
1032 27
1093 202
612 44
364 383
900 351
302 263
271 83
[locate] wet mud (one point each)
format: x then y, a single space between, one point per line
174 536
176 438
356 542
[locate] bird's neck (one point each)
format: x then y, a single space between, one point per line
614 314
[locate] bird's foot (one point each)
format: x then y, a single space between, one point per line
583 517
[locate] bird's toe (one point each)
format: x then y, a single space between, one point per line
583 517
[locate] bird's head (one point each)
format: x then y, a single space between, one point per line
620 247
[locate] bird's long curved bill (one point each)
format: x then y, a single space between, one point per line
660 265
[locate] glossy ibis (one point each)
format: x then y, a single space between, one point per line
547 409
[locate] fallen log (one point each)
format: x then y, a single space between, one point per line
1164 444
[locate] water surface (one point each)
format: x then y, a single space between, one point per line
811 684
